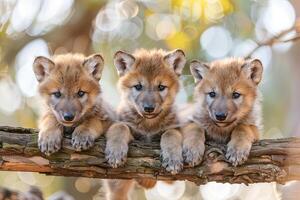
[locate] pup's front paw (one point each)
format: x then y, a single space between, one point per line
50 141
116 153
193 153
82 140
237 153
172 160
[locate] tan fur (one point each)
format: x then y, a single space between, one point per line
146 183
150 69
243 121
118 189
69 74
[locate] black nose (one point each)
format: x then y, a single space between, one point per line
221 116
149 108
68 116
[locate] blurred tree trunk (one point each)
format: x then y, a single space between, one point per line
294 109
77 29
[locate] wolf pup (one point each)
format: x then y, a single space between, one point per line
149 82
69 85
227 108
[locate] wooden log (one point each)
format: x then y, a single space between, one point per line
271 160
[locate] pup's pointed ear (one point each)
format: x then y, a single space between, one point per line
123 62
253 69
42 67
176 60
198 70
94 65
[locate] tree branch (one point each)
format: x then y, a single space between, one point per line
270 160
279 38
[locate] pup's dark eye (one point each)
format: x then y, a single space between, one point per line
57 94
138 87
212 94
236 95
80 93
161 87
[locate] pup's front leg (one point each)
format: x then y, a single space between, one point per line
171 151
193 144
240 144
86 133
117 138
50 135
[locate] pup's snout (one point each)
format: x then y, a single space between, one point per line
68 116
220 116
148 108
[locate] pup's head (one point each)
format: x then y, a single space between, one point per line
69 84
149 80
226 89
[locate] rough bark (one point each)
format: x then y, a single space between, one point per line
270 160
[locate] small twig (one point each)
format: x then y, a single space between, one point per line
277 39
293 39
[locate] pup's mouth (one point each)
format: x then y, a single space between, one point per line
151 115
223 124
66 123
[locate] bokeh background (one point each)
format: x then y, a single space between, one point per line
204 29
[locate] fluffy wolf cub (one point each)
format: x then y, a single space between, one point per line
149 82
227 108
69 85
